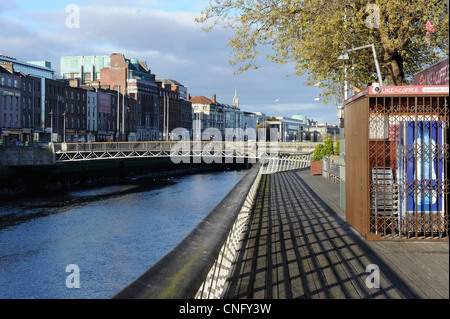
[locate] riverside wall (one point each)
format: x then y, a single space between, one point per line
38 175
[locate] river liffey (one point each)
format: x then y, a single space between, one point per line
110 235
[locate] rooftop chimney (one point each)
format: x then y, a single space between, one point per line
214 98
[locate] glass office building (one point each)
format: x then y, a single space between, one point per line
85 68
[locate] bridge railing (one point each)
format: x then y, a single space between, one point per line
108 150
200 264
286 163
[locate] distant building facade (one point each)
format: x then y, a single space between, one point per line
131 78
38 71
113 98
10 107
228 119
85 69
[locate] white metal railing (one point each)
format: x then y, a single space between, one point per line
286 163
113 150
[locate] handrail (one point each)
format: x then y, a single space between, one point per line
181 273
167 145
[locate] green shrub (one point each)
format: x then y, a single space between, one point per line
318 153
325 149
337 148
329 147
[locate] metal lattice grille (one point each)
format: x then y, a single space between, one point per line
408 154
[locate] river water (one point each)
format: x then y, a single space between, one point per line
112 234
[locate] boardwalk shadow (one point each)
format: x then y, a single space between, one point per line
296 246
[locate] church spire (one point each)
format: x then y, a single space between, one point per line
235 99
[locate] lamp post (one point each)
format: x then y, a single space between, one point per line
64 124
118 114
51 126
164 117
344 57
123 117
168 116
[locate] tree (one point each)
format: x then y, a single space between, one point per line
312 34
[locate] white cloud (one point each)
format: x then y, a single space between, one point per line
173 45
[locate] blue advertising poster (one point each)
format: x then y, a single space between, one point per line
425 166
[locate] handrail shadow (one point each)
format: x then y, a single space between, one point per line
296 246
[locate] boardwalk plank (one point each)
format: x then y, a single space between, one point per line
297 245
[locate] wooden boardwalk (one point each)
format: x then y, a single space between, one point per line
298 245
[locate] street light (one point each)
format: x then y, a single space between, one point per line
344 57
51 126
64 122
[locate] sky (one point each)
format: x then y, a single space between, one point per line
165 35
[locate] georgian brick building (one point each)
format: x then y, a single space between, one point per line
133 77
10 105
170 109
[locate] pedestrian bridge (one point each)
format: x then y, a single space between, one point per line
179 151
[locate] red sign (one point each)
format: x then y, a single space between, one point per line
399 90
435 75
409 90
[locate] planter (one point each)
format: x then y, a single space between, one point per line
316 168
